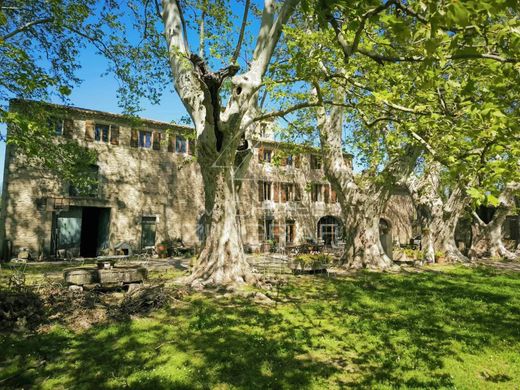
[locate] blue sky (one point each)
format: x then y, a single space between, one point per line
99 93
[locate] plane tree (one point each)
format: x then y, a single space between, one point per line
220 94
429 75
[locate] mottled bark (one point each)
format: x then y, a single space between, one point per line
438 215
487 238
362 206
220 131
222 260
363 247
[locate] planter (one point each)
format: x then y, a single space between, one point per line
162 251
265 247
441 260
299 267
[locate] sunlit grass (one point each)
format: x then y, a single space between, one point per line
447 327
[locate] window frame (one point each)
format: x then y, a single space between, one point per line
181 140
101 133
140 139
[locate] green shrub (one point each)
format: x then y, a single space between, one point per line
413 253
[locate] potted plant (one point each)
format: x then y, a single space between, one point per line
310 263
266 246
162 249
440 257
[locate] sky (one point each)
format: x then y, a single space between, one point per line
99 92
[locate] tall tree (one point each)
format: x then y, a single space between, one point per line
425 69
220 128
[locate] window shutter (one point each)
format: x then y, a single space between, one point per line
68 128
276 231
285 189
326 193
191 147
171 143
297 161
261 154
276 189
333 196
89 130
261 230
134 138
156 142
260 191
114 135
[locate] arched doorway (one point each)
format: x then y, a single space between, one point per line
385 235
329 230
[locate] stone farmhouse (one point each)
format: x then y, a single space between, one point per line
150 190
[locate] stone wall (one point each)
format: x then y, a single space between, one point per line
137 182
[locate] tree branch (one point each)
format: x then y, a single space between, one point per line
285 112
270 31
201 35
26 27
364 18
241 34
381 59
187 84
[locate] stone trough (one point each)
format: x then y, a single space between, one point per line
117 275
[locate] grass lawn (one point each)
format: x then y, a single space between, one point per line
447 327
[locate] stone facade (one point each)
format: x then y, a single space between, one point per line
150 190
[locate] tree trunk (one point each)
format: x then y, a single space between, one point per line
487 238
219 132
361 207
439 217
222 260
363 248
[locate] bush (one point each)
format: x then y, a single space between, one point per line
413 253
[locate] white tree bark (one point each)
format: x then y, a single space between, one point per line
487 238
219 133
361 207
438 216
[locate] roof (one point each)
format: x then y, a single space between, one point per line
85 112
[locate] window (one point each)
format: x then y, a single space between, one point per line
89 188
101 132
315 162
180 144
290 192
266 190
156 140
57 126
289 161
145 139
290 231
268 154
269 229
263 127
148 228
316 193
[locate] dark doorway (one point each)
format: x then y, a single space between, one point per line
329 230
94 230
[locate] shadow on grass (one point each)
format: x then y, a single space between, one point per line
211 344
360 332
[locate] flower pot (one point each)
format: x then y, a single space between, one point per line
162 251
